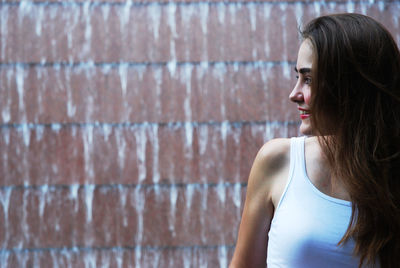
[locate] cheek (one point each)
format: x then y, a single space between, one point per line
307 96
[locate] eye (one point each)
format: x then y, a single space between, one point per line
297 77
307 80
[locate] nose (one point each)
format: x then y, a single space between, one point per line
296 95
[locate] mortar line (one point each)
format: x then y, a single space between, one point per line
186 3
116 248
58 126
131 64
197 185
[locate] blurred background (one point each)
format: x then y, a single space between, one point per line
128 128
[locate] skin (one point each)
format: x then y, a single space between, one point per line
301 93
269 175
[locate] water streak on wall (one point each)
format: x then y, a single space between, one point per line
128 128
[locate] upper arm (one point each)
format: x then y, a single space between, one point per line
251 246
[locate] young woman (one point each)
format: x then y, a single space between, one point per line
332 197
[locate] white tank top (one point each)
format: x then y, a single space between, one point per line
308 224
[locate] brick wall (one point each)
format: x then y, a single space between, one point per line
128 129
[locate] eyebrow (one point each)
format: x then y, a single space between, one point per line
302 70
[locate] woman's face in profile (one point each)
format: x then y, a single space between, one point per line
301 93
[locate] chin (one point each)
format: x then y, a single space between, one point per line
306 129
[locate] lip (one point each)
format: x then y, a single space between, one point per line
304 116
302 109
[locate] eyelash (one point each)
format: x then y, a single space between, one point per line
307 80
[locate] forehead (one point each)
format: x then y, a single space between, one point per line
305 55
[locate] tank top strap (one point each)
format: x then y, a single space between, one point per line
297 157
296 165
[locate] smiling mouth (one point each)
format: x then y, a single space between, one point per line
303 112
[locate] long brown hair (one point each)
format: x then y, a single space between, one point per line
355 105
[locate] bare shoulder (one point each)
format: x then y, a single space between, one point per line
274 154
259 205
270 165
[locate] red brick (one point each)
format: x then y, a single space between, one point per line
109 40
232 40
170 257
147 94
110 154
192 257
121 216
140 2
41 156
